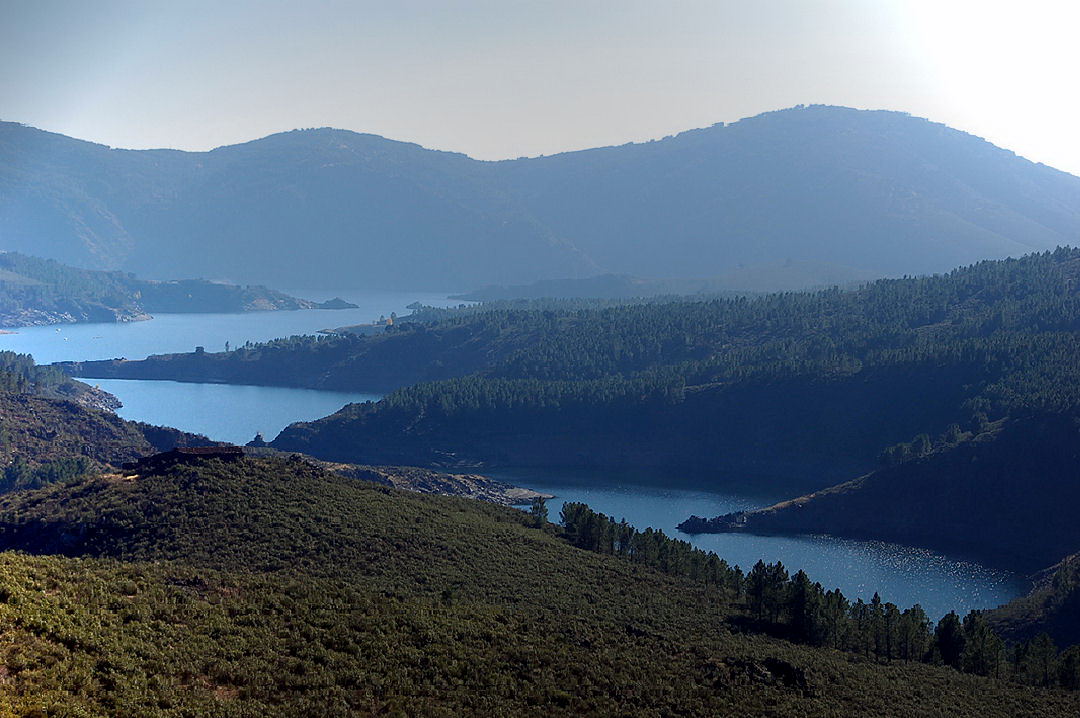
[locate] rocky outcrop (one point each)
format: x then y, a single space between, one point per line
420 480
425 481
336 303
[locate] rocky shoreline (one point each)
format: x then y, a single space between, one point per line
27 317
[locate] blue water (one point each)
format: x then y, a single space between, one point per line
901 574
169 333
224 412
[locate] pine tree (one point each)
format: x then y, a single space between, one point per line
1068 673
984 651
757 589
539 511
804 606
949 640
1037 661
914 634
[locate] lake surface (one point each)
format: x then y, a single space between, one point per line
224 412
901 574
233 413
171 333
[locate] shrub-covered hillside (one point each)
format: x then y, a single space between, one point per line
1052 607
268 587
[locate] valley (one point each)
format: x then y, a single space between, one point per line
961 585
772 417
492 390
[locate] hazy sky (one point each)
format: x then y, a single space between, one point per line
504 78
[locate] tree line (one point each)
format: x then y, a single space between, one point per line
1009 327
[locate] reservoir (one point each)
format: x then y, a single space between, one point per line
225 412
172 333
901 574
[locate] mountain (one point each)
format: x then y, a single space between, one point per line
878 191
319 208
37 291
270 587
875 193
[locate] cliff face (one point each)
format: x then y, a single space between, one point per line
1007 496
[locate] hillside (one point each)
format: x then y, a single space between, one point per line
36 291
873 193
53 429
780 387
273 588
1006 495
1051 607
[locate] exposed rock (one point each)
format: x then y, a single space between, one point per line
420 480
426 481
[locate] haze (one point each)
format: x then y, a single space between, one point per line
498 79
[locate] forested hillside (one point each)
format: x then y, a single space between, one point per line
849 194
778 385
274 588
51 429
788 275
37 291
783 385
1006 492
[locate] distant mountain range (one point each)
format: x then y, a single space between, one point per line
776 277
863 193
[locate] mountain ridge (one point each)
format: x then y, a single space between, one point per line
880 191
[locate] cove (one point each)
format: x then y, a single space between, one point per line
904 575
224 412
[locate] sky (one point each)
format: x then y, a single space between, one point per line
505 78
